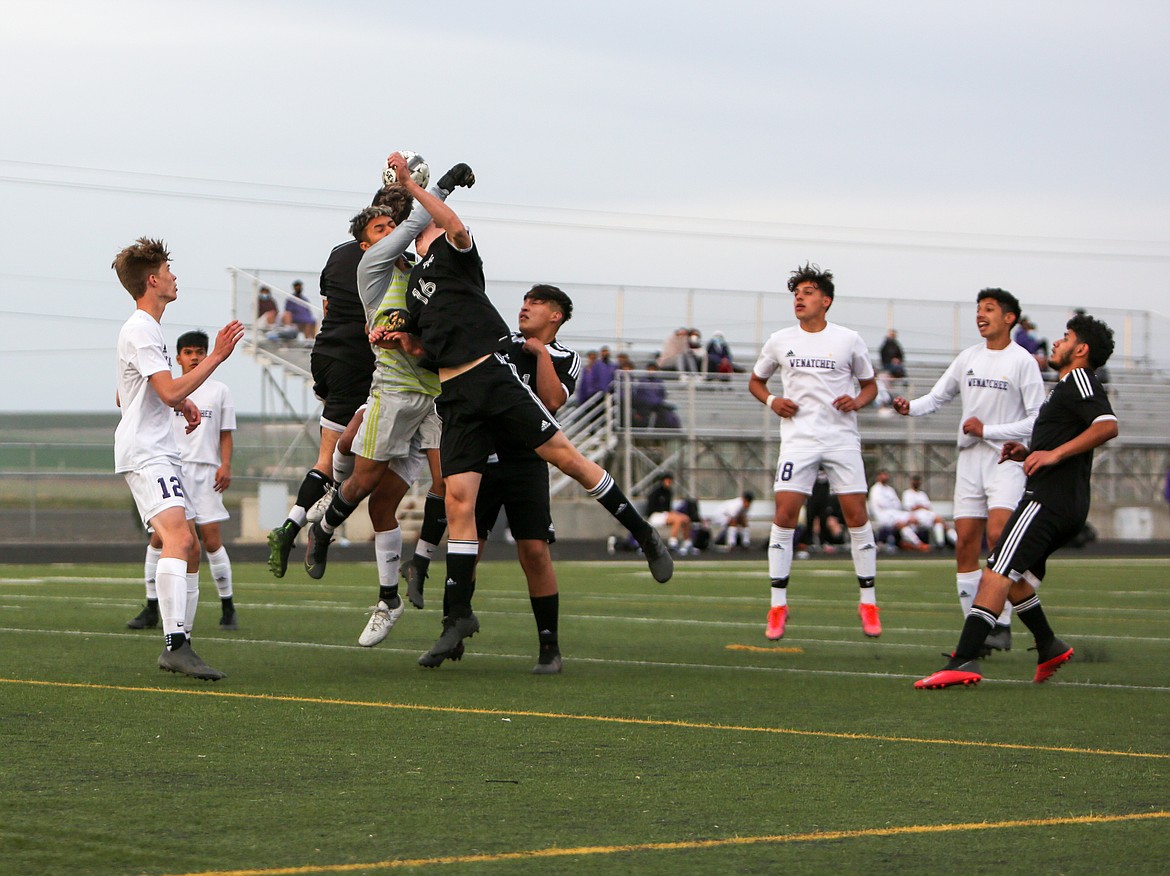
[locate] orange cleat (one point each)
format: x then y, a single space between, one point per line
871 624
1051 658
777 618
966 674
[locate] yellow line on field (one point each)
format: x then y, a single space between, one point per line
760 649
691 845
599 719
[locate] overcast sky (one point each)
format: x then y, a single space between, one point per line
919 149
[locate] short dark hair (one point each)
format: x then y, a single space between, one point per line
546 292
137 262
1096 334
812 273
1008 302
357 225
196 338
397 199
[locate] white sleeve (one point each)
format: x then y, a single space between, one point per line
1032 390
943 391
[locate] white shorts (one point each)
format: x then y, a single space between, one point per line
391 424
199 481
658 518
431 431
156 487
797 472
981 482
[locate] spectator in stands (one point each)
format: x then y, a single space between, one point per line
823 517
682 351
585 386
1025 336
648 405
719 359
930 526
606 368
892 522
893 359
266 310
298 313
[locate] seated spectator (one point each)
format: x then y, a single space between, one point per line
824 529
266 310
719 356
648 405
892 523
700 528
893 359
660 511
731 521
298 313
682 351
929 526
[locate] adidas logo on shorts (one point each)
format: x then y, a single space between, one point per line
544 424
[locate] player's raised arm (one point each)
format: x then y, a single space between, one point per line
444 216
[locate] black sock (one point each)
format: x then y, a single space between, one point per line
226 603
1032 615
312 488
152 603
546 610
175 641
388 594
338 511
610 496
434 519
460 587
979 623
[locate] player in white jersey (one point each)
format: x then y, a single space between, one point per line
206 460
826 378
145 449
1001 390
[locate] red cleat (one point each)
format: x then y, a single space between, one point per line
1051 658
777 618
964 674
871 624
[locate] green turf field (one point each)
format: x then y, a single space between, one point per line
677 740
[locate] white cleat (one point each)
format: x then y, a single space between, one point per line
317 513
381 622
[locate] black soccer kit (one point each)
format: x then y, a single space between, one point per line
342 360
458 324
1055 503
516 478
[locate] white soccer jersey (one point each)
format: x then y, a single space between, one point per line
1003 388
215 404
912 499
727 511
145 432
884 501
816 368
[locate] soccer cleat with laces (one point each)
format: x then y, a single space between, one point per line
965 673
280 545
549 662
381 622
317 551
317 513
185 661
147 619
1050 658
657 556
777 618
415 578
871 624
450 644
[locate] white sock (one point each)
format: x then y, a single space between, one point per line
780 553
171 580
968 584
745 538
907 534
940 535
150 571
424 549
1005 616
732 532
864 551
192 601
221 572
388 552
342 465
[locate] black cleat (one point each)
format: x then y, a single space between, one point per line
549 662
415 578
657 556
450 644
147 619
1050 658
184 660
228 621
999 639
280 545
317 551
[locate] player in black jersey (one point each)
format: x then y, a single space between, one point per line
516 480
464 337
342 363
1074 419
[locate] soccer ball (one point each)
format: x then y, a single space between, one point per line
419 171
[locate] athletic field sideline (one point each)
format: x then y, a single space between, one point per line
677 739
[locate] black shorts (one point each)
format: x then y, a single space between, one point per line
342 386
521 489
1031 536
486 406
